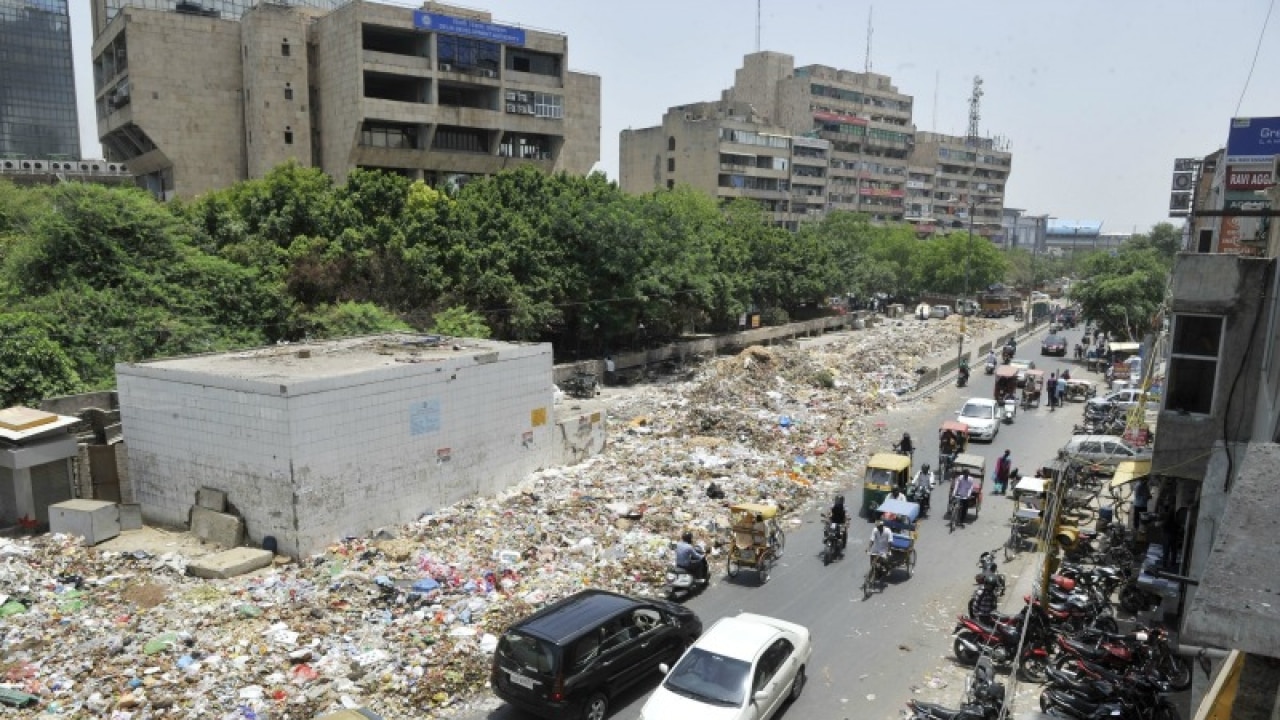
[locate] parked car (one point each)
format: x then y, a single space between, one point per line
1105 450
941 312
982 415
1123 398
570 659
745 667
1054 345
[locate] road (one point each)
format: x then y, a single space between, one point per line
870 656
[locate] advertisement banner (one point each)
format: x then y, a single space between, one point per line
1242 235
467 28
1253 140
1248 179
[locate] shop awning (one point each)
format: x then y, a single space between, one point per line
1129 471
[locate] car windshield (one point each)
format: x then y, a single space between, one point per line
530 653
1053 340
978 410
711 678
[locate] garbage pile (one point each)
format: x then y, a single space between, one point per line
406 622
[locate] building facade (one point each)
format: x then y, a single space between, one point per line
37 82
804 141
440 94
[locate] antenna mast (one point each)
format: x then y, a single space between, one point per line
975 114
866 67
758 25
937 77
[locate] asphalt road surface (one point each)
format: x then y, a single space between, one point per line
871 655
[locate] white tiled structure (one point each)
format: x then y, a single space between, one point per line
318 441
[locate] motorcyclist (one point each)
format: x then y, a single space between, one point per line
689 557
964 371
991 361
840 517
904 446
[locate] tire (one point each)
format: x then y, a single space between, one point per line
596 707
1175 670
1035 669
1106 624
797 685
779 541
911 562
964 655
1133 599
826 555
763 569
733 567
868 582
1066 664
1164 710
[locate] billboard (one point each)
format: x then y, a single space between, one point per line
1182 186
1253 140
1242 234
1248 179
468 28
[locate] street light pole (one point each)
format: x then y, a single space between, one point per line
965 297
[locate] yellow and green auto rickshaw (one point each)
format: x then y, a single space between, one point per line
885 471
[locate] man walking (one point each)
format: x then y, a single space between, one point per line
962 493
1061 388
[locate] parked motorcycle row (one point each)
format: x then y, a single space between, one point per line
1071 641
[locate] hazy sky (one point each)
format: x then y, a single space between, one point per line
1096 98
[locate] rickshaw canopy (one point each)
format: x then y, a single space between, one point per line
954 426
1037 374
901 508
1006 371
889 461
976 464
765 510
1126 348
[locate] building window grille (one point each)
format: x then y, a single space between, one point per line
1193 363
548 106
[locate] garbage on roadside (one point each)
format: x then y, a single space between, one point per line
405 623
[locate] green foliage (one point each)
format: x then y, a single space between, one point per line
460 322
33 365
1123 291
350 318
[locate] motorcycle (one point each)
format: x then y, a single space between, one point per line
983 699
962 377
683 583
834 540
1010 409
920 492
987 565
1094 692
990 366
1001 638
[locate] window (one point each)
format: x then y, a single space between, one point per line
671 164
671 184
1193 363
288 135
548 106
288 92
284 48
671 143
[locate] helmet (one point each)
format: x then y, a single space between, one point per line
839 500
687 537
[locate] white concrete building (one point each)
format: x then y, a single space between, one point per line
319 441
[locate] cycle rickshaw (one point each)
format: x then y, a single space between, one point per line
1032 388
757 540
953 439
900 517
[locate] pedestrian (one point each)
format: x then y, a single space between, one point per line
1061 389
610 370
1003 467
963 493
1141 498
1050 389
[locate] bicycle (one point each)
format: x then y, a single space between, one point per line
878 571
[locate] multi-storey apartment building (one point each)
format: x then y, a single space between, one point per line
195 96
37 83
858 123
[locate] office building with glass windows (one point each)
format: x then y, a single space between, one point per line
37 83
196 96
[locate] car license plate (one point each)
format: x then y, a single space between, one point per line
522 680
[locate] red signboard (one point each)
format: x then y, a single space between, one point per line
837 117
1240 179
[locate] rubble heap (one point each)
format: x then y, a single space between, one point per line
406 622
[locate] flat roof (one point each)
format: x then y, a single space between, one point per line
19 423
329 358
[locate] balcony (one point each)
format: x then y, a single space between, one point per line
392 63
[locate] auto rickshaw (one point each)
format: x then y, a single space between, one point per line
1032 389
953 438
885 472
977 467
757 540
1006 383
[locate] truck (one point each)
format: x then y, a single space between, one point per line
997 305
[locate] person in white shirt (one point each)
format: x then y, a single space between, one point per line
963 493
881 539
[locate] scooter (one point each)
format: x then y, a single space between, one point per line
682 583
983 699
962 377
834 538
990 367
1010 409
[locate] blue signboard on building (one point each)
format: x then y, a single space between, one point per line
504 34
1253 140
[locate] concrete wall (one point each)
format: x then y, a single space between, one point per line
185 87
311 461
339 86
580 151
277 128
1230 286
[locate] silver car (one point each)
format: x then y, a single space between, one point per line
1105 450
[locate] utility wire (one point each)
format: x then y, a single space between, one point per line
1261 34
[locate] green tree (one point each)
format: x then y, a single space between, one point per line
1123 291
351 318
460 322
33 364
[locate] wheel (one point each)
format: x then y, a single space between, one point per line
779 541
1066 665
1175 670
965 655
1106 624
976 509
734 568
911 562
762 570
866 585
826 555
797 685
1035 669
596 707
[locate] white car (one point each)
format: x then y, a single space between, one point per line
746 666
982 416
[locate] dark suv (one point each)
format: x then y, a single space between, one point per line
571 658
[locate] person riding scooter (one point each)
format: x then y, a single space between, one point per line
691 559
990 366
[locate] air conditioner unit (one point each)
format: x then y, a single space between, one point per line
38 165
512 95
112 167
84 167
491 73
446 67
10 165
512 108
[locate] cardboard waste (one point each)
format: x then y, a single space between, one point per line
405 623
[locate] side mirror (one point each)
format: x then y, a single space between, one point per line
664 668
760 696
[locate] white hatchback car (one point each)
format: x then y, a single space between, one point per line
745 666
982 416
